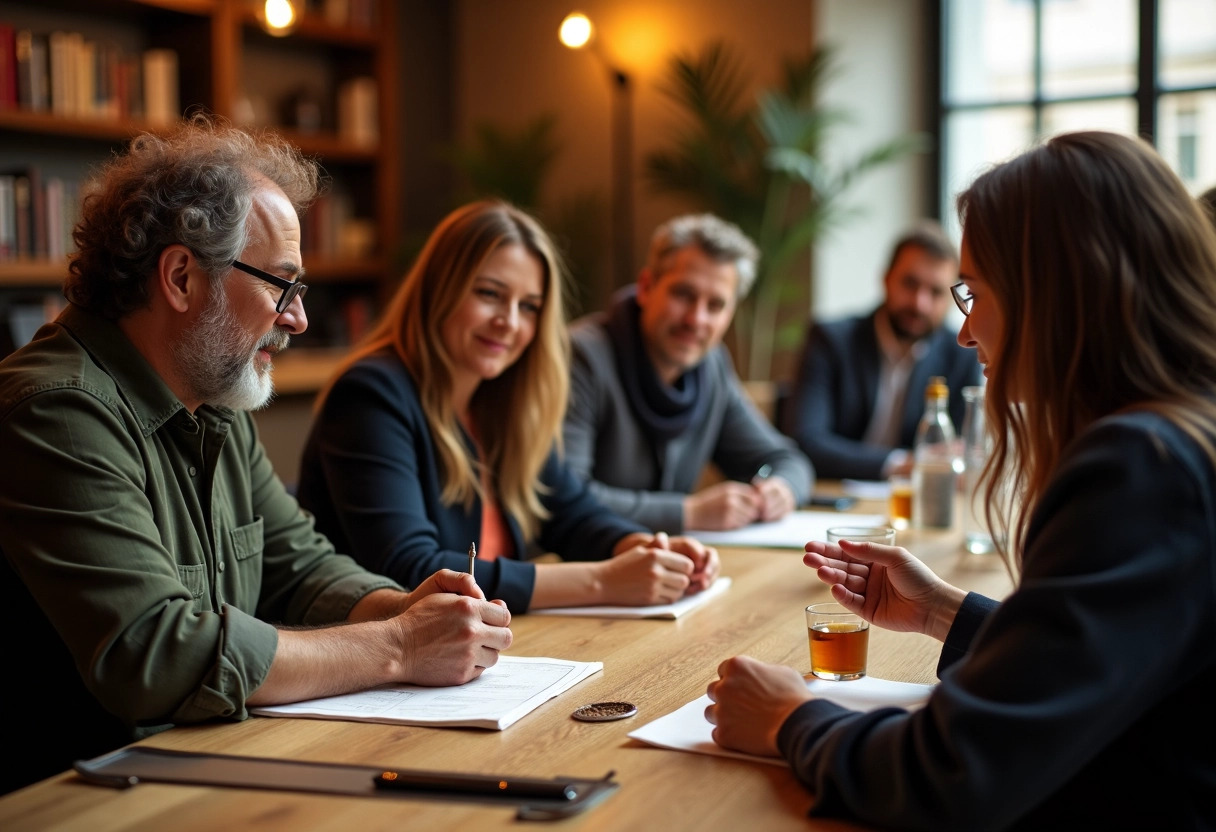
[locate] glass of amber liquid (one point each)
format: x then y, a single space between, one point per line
900 507
840 642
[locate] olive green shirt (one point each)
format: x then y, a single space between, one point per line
158 544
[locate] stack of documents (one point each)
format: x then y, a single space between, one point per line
511 689
687 730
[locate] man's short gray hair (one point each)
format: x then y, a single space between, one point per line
721 241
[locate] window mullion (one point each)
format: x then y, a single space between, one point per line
1147 86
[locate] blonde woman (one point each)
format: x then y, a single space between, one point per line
443 430
1084 700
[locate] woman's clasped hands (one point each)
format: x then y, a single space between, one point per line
657 569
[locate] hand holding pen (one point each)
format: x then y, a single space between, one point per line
451 632
775 497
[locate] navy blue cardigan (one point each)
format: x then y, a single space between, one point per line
372 478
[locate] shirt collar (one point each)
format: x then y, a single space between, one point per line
149 398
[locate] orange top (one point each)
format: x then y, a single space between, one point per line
495 537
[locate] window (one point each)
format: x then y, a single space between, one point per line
1016 71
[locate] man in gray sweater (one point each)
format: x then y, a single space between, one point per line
654 396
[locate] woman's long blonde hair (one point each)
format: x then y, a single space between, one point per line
1105 269
517 415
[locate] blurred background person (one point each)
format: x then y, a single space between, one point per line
860 389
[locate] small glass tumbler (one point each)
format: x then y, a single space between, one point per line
839 640
860 534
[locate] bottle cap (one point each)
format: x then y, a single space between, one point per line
937 388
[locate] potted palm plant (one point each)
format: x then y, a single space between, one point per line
514 165
759 163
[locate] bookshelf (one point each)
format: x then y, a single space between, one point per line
304 85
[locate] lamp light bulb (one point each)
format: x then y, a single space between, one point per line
576 30
279 16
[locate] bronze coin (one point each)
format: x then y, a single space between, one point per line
605 711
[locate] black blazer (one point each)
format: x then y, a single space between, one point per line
371 475
837 384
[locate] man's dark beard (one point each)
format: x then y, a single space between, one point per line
902 333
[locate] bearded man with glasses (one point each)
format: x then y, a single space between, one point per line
155 571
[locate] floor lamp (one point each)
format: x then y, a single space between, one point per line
577 32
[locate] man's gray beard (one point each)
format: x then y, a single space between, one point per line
217 365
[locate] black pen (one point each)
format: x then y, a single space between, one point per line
474 784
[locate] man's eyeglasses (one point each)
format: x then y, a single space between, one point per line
291 289
962 297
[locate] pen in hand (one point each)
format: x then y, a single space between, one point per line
472 559
762 473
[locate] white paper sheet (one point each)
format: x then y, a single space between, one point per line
866 489
670 611
511 689
790 532
686 729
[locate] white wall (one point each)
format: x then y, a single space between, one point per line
881 82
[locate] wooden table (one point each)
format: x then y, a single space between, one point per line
658 665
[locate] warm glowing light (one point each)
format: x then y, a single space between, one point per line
279 15
576 30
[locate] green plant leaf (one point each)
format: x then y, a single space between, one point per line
758 163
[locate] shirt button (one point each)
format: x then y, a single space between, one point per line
221 566
193 471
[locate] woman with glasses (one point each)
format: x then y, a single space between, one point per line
1085 699
441 435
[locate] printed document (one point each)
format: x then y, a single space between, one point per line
512 688
670 611
686 729
790 532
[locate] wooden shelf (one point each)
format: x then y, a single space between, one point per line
330 147
303 370
319 269
319 30
325 144
33 273
101 129
214 40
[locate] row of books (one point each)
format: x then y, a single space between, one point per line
359 112
69 75
330 228
37 215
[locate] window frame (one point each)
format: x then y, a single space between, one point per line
1147 95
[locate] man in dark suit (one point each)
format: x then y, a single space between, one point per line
860 387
